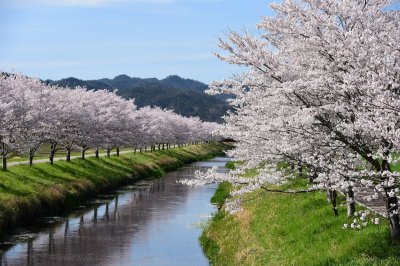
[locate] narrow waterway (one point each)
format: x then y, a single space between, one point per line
155 222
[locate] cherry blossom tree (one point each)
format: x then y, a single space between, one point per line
322 91
18 96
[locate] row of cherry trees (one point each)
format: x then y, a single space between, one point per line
323 94
34 113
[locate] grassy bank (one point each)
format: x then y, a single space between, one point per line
27 192
294 229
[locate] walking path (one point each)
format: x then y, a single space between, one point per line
377 205
63 159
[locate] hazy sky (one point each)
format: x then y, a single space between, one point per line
91 39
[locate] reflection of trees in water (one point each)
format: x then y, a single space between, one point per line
52 246
95 215
66 227
108 228
30 260
115 208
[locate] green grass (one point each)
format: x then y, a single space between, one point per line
294 229
221 194
27 192
230 165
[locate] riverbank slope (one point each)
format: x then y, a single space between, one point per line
28 192
293 229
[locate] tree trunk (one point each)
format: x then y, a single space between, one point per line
300 169
312 175
333 200
117 151
31 155
4 162
83 153
96 152
351 204
163 146
31 159
395 227
68 154
53 150
51 157
108 153
159 146
393 213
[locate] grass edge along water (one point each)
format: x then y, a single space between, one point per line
28 192
293 229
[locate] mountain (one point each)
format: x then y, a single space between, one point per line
180 83
74 82
185 96
183 101
173 81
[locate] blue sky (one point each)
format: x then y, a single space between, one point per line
90 39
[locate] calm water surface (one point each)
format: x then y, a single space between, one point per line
155 222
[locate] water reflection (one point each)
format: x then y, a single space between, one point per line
149 223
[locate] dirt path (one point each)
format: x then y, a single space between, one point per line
376 205
63 159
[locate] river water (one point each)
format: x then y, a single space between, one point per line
154 222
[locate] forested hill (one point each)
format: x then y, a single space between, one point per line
185 96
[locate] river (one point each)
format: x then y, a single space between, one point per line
154 222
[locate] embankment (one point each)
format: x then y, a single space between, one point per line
293 229
28 192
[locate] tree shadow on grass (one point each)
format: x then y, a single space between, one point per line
119 165
182 155
13 185
47 173
99 171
